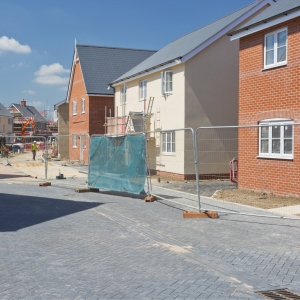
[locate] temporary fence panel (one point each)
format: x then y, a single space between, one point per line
250 165
18 151
118 163
172 165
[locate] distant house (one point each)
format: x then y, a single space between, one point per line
21 113
93 68
6 123
269 157
61 110
191 82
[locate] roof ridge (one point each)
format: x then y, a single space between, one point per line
257 1
119 48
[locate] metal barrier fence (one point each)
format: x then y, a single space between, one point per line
250 166
19 153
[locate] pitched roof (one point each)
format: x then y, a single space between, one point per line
181 47
60 103
29 111
4 112
276 10
101 65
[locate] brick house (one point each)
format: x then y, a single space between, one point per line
93 68
269 94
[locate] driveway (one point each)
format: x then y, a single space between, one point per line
58 244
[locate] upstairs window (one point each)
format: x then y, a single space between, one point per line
167 82
143 89
276 139
74 106
123 95
275 49
82 105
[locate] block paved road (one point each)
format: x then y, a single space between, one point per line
57 244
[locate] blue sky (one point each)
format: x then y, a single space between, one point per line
37 37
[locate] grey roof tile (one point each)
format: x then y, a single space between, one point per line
101 65
275 10
184 45
30 111
4 112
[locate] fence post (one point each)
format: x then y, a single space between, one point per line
46 159
196 165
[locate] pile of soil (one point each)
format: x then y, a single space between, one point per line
256 199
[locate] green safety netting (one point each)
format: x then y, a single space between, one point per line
118 163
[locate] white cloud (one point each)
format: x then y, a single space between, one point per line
7 44
51 79
29 92
64 89
51 69
48 74
37 104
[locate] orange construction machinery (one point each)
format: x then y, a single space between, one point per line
31 120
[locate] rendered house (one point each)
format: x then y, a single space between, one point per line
269 156
93 68
62 113
191 82
6 123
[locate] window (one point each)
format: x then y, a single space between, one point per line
275 48
168 142
9 121
74 107
74 141
166 82
82 105
143 89
123 95
276 139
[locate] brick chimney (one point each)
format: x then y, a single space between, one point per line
23 102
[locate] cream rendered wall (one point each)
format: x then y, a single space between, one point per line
211 99
6 128
167 113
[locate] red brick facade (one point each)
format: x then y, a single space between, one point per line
267 94
92 120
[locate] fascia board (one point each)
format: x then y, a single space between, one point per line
226 29
266 25
174 63
100 95
71 75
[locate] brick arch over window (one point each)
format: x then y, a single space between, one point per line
276 114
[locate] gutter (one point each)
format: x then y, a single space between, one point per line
264 21
145 71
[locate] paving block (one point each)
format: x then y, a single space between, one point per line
150 198
200 214
86 190
45 184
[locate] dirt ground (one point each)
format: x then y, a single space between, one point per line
257 199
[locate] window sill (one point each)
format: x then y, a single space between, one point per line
83 112
167 94
275 157
169 154
274 67
74 114
74 147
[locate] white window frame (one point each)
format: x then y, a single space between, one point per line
168 143
82 105
164 82
270 124
276 63
74 108
143 90
123 94
74 141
